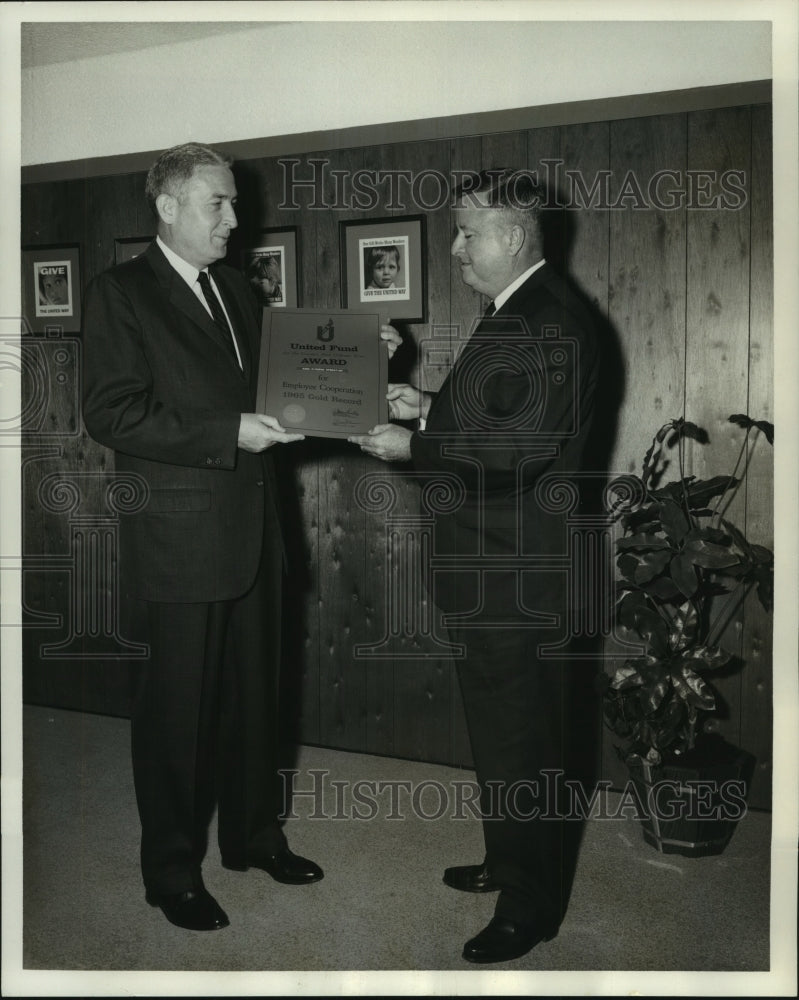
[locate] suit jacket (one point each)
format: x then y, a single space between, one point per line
163 390
514 411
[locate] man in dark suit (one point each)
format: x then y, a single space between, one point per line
171 357
510 423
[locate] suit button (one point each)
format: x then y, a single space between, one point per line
209 461
217 461
260 482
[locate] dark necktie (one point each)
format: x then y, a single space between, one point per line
486 315
217 312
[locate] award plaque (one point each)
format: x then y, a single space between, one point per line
323 374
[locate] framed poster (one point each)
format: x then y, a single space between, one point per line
383 266
51 288
272 267
129 247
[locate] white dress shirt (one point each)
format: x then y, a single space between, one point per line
190 275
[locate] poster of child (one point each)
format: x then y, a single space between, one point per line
384 268
53 282
266 272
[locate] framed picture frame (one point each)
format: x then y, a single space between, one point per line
51 288
384 266
128 247
271 266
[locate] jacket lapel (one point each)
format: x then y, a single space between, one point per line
488 325
237 318
184 299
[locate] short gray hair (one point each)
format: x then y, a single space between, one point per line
175 167
516 193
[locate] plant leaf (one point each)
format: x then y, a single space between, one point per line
765 586
627 676
652 629
673 490
708 534
674 723
709 555
654 452
692 688
664 588
745 421
627 564
641 520
684 428
767 429
653 693
643 542
629 607
702 491
708 657
684 575
640 619
675 523
684 628
652 564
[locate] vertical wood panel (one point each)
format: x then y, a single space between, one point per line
261 188
756 641
386 733
394 200
542 156
44 220
585 150
646 291
646 296
421 678
68 213
504 149
717 359
342 716
307 617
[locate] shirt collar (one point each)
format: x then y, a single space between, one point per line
506 293
187 271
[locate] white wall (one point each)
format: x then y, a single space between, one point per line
282 79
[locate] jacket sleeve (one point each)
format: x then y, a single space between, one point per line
122 408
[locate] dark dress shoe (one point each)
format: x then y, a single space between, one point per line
503 940
471 878
283 866
196 910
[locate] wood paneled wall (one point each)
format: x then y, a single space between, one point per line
683 294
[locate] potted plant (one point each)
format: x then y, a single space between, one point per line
685 572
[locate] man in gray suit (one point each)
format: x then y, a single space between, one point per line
171 358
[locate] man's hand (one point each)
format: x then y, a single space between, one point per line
386 442
406 402
257 432
391 338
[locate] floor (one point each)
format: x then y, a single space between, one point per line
381 921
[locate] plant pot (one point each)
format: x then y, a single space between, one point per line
691 803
